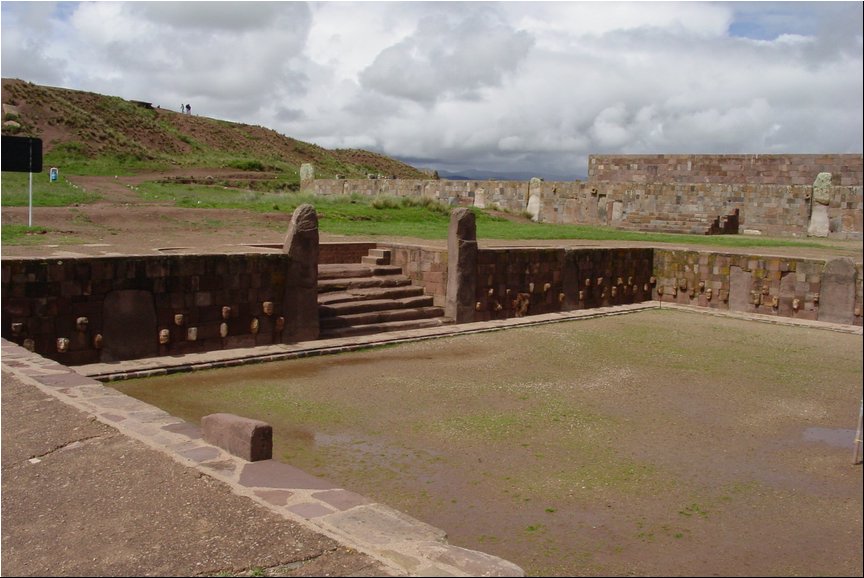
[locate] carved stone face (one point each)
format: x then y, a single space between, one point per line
164 336
796 304
709 293
178 319
581 295
280 323
97 341
253 326
62 344
223 330
191 334
267 307
226 312
81 323
614 291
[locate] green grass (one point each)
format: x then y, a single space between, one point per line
15 191
21 234
353 215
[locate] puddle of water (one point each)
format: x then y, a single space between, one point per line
837 437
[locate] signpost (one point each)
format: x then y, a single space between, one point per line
23 154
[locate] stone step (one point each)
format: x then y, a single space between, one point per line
354 330
370 260
347 270
380 317
400 292
365 306
377 257
351 283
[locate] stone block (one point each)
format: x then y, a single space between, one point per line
249 439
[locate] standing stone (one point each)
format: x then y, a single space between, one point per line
480 198
129 327
461 266
740 285
617 211
819 223
307 176
837 294
301 283
535 186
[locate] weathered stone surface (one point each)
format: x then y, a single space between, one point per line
129 328
480 198
301 283
534 198
822 189
462 266
740 285
820 225
249 439
837 295
307 175
617 211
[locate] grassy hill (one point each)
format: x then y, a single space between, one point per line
90 133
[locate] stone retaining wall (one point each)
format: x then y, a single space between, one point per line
529 281
787 287
87 310
90 310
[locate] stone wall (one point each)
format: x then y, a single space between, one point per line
683 193
425 266
787 287
726 169
329 253
88 310
516 282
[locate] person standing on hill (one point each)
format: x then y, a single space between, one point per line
188 109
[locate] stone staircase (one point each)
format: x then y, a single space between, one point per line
695 224
372 296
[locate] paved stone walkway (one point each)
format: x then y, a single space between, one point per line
395 543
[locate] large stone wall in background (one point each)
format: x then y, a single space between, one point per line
772 193
729 169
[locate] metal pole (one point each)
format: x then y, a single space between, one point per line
30 210
30 202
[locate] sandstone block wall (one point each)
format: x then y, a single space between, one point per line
529 281
329 253
729 169
425 266
143 306
683 193
785 287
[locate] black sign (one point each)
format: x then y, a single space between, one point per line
22 154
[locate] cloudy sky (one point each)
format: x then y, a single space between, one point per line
502 87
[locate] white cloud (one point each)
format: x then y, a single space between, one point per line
507 86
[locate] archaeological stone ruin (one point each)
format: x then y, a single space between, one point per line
85 310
